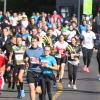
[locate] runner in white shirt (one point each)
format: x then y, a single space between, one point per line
87 44
14 20
71 33
60 48
24 22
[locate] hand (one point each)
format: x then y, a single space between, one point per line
44 64
1 73
8 68
72 56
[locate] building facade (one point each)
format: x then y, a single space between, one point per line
71 6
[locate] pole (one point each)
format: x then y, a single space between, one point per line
5 5
78 13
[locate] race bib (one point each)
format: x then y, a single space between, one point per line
34 60
19 59
61 51
58 55
44 62
19 56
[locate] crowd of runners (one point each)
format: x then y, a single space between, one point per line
40 47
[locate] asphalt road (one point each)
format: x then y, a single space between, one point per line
87 84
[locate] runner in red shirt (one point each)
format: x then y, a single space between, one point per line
2 69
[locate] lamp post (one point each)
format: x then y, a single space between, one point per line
78 13
5 6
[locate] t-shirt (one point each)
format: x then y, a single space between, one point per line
23 35
14 21
72 50
60 47
34 54
24 23
2 60
88 39
19 54
49 61
82 28
70 35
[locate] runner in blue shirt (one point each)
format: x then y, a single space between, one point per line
32 56
48 64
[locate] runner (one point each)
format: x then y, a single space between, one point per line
87 47
49 38
73 62
18 53
60 49
83 26
4 43
70 33
31 57
2 69
10 65
97 23
49 64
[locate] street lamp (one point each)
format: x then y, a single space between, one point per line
78 13
5 6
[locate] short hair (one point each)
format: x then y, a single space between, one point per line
35 37
48 47
34 27
74 38
12 37
61 35
5 28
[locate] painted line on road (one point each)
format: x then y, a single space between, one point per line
59 91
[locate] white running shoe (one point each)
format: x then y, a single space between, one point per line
74 87
69 85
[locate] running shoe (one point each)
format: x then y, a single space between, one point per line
69 86
74 87
22 93
85 68
19 95
99 78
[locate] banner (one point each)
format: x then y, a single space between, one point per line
87 7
